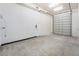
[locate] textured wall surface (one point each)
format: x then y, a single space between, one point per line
20 22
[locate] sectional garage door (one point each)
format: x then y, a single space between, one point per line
63 23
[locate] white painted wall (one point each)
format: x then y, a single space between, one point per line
21 21
52 23
78 20
75 23
44 24
0 30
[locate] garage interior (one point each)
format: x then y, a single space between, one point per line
39 29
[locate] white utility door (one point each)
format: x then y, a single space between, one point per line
62 23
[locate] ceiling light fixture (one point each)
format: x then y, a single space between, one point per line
53 5
58 8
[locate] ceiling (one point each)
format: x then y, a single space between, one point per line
51 11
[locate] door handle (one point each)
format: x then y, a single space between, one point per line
36 26
3 27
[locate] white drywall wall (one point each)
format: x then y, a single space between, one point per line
44 24
75 23
21 21
52 23
0 30
78 21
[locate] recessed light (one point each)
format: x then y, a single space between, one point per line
58 8
53 5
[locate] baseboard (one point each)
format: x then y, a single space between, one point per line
17 41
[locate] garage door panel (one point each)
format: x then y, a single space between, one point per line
62 23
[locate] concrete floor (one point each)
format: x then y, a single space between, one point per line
53 45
